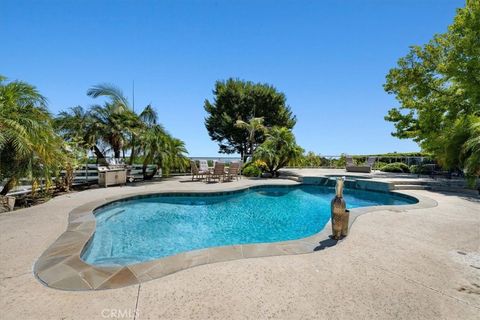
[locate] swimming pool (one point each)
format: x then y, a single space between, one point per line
147 228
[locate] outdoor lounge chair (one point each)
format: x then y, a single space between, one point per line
233 170
196 172
366 168
218 172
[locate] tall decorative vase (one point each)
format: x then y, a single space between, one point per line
339 214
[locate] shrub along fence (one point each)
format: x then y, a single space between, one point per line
87 173
339 161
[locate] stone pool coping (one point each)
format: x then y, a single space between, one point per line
61 266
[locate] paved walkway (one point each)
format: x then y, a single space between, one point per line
419 264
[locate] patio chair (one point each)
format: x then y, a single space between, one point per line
233 171
366 168
203 165
349 161
196 172
218 172
371 161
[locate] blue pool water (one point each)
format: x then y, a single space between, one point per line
144 229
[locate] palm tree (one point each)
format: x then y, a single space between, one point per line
111 92
278 149
147 119
29 147
78 127
177 158
159 147
253 126
116 123
151 145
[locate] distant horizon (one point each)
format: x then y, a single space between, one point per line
237 156
330 59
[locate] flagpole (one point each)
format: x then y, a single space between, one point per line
133 95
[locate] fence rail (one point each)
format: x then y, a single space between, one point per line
84 175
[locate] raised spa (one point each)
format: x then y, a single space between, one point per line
148 228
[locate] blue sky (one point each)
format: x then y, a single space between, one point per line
329 57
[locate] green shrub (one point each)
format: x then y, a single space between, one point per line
379 165
251 171
396 167
420 169
246 165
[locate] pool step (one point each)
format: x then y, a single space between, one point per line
473 192
412 187
410 182
294 178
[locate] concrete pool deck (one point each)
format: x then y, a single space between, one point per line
412 264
